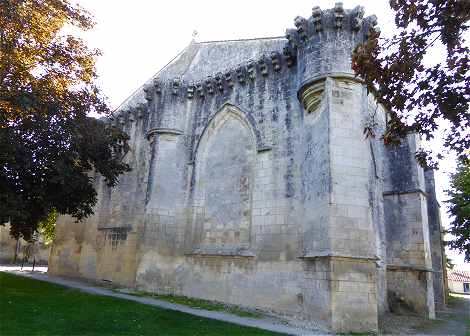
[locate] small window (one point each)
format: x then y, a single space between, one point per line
466 287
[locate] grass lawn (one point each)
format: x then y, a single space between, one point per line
32 307
200 304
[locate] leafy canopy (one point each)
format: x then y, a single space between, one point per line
48 144
419 93
459 208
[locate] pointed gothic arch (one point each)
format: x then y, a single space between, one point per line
224 174
245 118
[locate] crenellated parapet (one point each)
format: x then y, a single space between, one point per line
318 46
334 20
324 44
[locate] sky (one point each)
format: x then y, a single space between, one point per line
139 37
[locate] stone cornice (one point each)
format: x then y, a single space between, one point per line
311 255
402 192
409 268
225 251
171 131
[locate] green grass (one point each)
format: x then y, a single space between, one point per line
201 304
357 334
31 307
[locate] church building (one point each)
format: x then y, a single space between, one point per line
253 184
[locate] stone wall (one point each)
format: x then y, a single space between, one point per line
409 264
436 241
16 251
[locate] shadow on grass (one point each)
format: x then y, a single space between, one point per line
200 304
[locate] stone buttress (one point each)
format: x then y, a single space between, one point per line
409 260
436 233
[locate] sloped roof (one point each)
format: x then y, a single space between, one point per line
201 62
202 59
459 276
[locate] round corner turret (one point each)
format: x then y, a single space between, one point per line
324 44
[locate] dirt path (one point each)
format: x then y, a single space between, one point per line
451 321
455 318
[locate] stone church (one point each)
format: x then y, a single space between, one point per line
253 184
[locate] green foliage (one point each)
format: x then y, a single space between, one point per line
459 208
417 93
49 147
46 227
31 307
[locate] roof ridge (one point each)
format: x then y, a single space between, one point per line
242 40
153 76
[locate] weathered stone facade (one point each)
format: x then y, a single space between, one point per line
253 184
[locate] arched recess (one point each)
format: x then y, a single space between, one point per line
224 178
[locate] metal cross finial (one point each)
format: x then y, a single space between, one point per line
194 34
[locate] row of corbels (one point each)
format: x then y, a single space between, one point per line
212 84
129 115
226 81
337 18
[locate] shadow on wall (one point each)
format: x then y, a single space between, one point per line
398 304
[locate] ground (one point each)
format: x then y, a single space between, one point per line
456 319
31 307
453 320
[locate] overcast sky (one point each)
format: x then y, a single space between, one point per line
139 37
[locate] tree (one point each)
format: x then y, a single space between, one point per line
459 208
418 93
46 227
49 146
